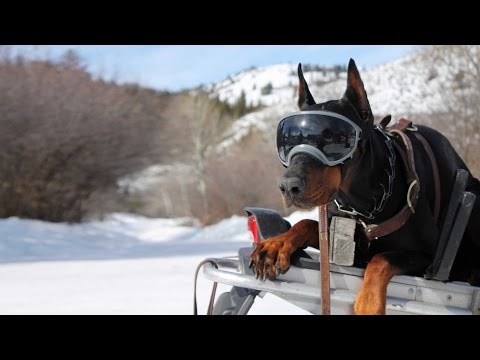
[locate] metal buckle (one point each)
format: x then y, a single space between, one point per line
409 202
361 222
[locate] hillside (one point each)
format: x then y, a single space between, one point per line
401 88
398 87
420 87
272 85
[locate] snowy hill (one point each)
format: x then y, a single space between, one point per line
397 87
402 88
282 78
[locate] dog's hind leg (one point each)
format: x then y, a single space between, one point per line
371 300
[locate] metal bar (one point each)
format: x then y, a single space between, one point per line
461 221
246 305
248 281
461 177
340 298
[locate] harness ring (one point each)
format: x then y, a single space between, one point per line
409 202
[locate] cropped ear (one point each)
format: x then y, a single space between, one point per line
305 98
385 121
356 93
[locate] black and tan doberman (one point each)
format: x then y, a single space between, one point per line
359 183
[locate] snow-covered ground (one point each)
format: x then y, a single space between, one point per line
403 88
125 264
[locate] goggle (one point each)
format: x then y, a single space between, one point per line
329 137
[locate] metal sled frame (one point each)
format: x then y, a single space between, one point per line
300 286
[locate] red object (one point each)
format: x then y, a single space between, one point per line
253 229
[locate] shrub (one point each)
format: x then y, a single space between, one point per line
65 136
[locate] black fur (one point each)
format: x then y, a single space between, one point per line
413 246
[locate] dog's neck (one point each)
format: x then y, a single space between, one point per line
368 178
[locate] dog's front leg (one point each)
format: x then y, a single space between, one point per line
371 300
272 256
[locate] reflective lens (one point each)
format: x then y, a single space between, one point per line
329 137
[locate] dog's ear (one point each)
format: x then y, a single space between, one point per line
305 98
356 93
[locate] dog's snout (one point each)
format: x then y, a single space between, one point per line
292 186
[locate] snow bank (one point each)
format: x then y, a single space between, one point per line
126 264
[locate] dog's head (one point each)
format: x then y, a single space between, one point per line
308 182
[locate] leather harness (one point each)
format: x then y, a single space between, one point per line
374 231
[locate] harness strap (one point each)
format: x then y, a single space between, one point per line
410 159
402 124
436 176
374 231
214 288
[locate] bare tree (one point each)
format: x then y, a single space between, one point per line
458 67
66 137
246 176
207 124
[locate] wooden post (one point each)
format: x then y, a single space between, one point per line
324 261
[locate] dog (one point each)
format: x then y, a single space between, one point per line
358 183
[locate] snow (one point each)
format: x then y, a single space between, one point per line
125 264
403 88
282 77
400 87
152 175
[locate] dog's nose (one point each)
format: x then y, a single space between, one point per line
292 186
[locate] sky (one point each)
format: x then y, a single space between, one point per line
176 67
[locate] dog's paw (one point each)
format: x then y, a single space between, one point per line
272 258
